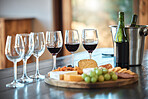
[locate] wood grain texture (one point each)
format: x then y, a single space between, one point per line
12 27
136 8
67 19
2 44
143 16
105 84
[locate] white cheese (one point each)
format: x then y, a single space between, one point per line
87 70
59 75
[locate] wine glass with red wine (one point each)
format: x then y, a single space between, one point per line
72 42
90 40
54 44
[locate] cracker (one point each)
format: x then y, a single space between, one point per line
120 71
109 70
117 69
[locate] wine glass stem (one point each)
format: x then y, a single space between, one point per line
24 67
90 55
15 71
73 59
37 65
54 62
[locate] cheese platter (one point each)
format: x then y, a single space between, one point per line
84 76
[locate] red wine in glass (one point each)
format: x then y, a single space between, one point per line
90 40
72 42
90 47
53 50
54 42
72 47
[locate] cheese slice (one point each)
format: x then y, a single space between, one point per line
87 70
59 75
70 77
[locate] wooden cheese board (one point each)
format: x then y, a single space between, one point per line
105 84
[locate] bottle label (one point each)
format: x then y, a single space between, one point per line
122 54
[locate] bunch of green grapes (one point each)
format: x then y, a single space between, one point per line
99 75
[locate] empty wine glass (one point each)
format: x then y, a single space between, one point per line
14 51
90 40
39 48
54 44
72 42
29 47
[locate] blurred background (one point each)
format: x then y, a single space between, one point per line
25 16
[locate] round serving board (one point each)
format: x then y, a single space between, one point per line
105 84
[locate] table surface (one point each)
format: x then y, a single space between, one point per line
41 90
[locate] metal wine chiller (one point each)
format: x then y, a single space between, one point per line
136 42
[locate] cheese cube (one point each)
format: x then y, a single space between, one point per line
59 75
70 77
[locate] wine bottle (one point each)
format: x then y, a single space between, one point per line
122 44
134 20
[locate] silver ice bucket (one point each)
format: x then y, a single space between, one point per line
136 42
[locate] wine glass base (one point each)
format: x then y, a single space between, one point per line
25 80
14 84
42 77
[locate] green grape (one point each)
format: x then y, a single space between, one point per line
96 76
104 71
107 76
94 71
84 75
99 72
87 79
92 74
114 77
96 68
93 79
112 73
101 78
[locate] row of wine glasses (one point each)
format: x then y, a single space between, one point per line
22 46
54 42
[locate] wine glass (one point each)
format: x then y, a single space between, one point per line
14 51
39 48
54 44
90 40
72 42
29 47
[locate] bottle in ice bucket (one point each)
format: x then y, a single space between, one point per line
134 20
122 44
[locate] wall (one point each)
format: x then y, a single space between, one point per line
41 10
143 16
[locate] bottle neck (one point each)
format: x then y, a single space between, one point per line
121 36
134 20
121 21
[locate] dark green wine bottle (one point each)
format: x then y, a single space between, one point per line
134 20
122 44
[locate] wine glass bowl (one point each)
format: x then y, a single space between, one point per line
54 44
39 44
14 51
38 50
90 40
72 42
29 47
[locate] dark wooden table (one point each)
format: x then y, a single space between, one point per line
41 90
